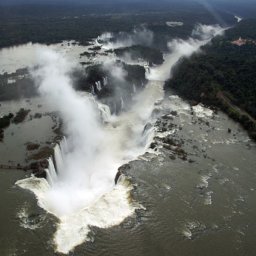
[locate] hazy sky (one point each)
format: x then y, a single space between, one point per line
118 1
109 1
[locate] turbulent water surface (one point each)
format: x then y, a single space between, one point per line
80 188
169 203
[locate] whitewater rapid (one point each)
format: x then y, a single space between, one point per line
80 189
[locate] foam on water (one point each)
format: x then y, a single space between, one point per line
204 181
192 228
27 220
73 229
208 198
202 111
80 189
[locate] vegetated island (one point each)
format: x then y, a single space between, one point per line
223 75
137 52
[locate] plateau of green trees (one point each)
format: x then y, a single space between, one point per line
223 75
53 24
136 52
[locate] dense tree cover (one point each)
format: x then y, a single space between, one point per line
245 29
132 74
83 79
21 115
136 52
5 121
117 83
44 24
223 75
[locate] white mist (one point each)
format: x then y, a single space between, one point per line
80 189
201 35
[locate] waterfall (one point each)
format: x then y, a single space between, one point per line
58 157
54 169
98 86
80 189
134 88
122 103
105 81
105 112
115 108
92 90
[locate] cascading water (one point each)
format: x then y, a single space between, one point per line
105 81
184 48
79 189
122 103
98 86
134 88
92 90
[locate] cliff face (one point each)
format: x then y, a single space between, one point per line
137 52
223 75
113 85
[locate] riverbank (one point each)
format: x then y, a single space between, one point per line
222 76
